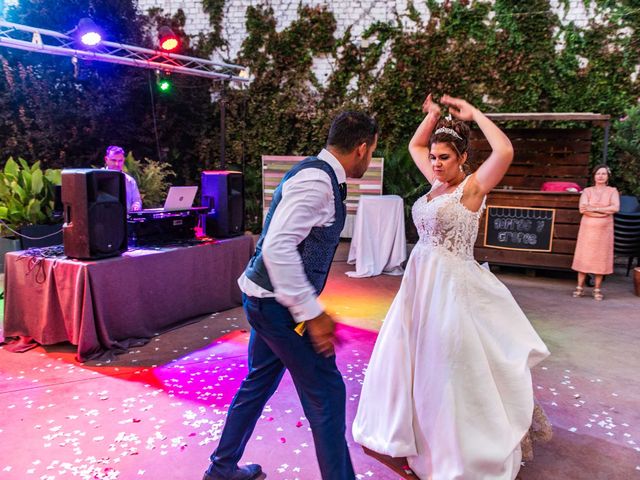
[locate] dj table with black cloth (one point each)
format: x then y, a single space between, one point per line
109 305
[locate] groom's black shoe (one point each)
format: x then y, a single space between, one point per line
248 472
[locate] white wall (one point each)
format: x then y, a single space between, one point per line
359 14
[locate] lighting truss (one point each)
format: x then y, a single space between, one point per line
22 37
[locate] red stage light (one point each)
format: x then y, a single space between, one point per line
169 44
168 40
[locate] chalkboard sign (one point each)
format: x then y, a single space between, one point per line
517 228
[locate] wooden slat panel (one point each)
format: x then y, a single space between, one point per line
523 157
274 167
533 158
560 245
535 183
543 170
568 216
534 198
566 231
560 145
543 133
550 116
564 246
524 259
541 155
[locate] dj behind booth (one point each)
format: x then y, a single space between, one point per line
123 278
98 226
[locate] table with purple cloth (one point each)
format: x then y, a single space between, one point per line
107 306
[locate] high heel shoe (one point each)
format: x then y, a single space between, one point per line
597 294
578 292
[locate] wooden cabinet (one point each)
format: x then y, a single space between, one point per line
565 231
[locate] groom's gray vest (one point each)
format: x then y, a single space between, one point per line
318 249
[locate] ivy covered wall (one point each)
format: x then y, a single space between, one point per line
308 61
503 56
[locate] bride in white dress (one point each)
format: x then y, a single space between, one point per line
449 385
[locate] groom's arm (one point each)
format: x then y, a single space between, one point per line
307 202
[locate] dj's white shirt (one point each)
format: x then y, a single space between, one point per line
307 202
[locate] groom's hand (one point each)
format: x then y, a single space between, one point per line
322 332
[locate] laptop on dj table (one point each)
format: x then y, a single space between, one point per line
178 198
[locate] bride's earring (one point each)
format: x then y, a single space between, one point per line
461 169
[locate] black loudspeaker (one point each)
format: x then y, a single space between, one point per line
222 193
95 213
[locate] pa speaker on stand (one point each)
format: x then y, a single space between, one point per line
223 194
95 213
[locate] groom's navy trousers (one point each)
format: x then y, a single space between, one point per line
273 347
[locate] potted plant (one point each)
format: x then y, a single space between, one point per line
152 178
27 203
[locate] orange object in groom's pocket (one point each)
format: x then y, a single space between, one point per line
301 328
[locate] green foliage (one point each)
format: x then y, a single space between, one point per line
402 177
626 152
26 194
152 178
506 56
502 55
65 115
280 112
186 119
214 39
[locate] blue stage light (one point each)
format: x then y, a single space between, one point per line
88 32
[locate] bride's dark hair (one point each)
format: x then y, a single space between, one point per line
454 132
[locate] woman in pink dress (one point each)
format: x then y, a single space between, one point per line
594 248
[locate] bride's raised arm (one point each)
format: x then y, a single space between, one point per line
494 168
419 144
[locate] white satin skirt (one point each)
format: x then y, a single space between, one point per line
449 384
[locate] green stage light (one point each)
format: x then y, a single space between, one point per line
163 81
164 85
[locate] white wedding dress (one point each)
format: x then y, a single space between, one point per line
449 385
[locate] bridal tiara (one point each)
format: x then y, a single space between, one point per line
448 131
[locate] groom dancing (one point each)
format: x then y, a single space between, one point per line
280 287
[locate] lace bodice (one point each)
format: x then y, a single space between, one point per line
445 222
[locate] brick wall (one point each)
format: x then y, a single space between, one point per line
359 14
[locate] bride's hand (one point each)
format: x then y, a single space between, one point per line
429 106
459 108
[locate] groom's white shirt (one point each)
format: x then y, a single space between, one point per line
307 202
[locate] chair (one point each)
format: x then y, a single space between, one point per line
629 204
626 230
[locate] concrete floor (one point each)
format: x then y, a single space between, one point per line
157 411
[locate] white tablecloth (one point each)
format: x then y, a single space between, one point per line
379 244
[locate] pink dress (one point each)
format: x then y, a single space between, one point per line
594 248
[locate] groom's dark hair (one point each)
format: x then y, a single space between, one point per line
350 129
